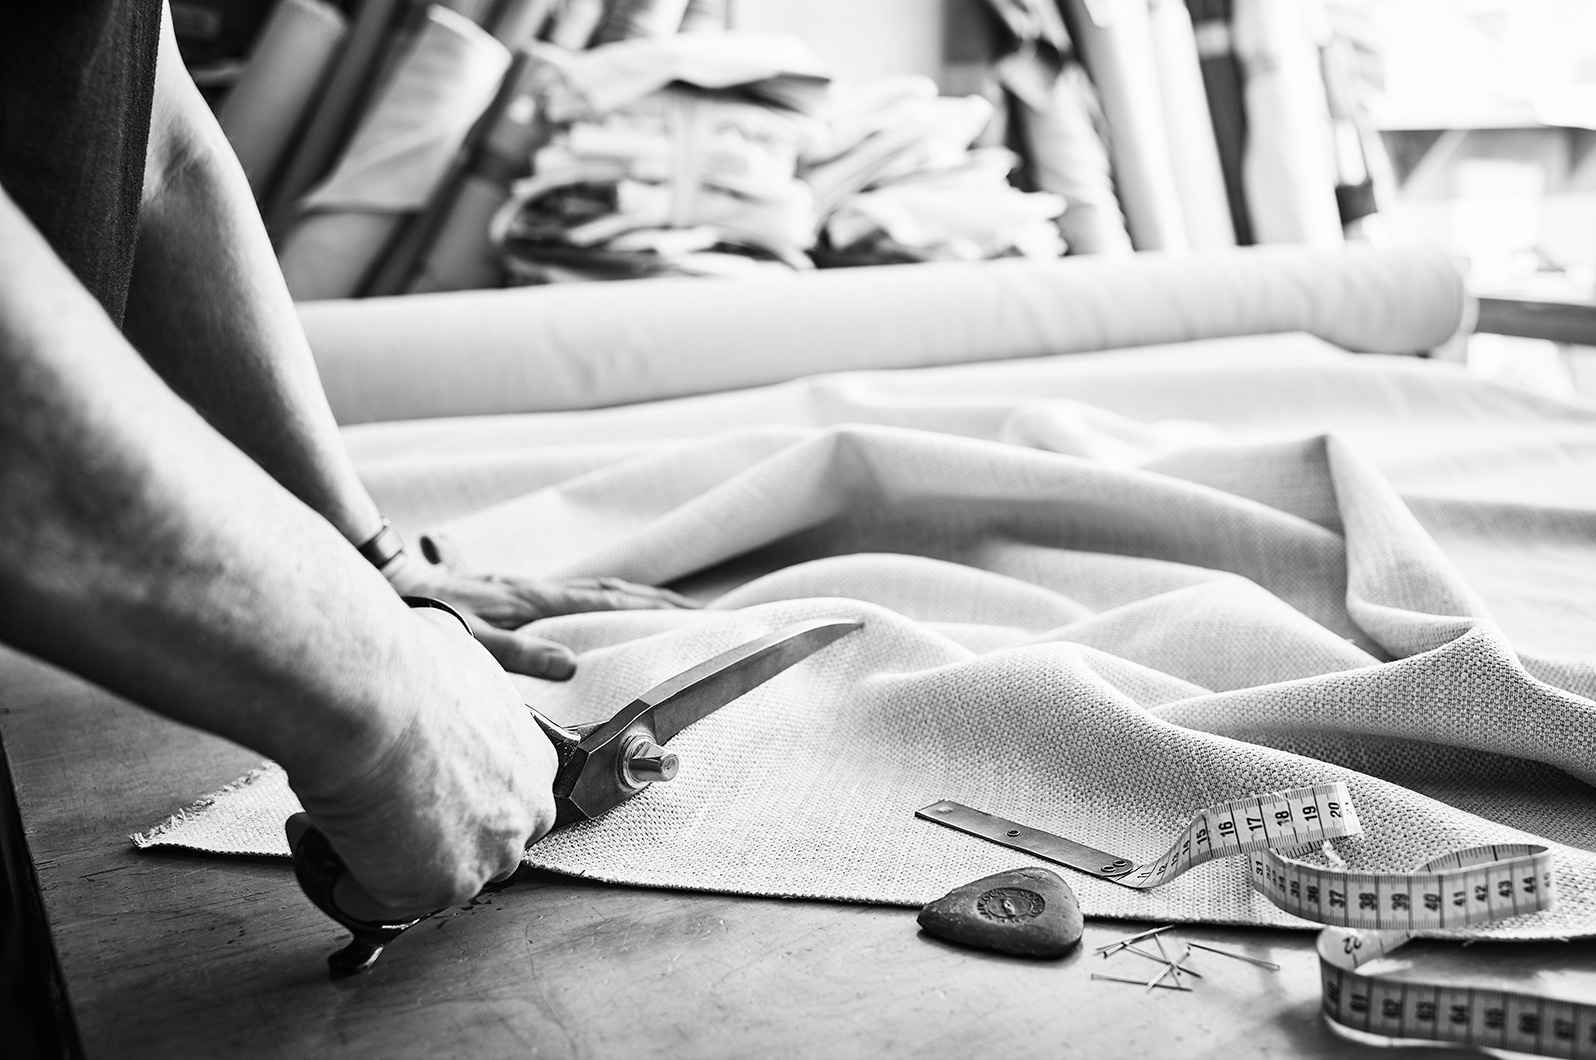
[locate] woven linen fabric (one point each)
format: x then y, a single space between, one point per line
1099 592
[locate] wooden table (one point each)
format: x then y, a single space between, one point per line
166 955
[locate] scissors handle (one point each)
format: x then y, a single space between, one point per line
600 766
321 873
565 740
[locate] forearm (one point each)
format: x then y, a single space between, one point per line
208 309
139 549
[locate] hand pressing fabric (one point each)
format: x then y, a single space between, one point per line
452 793
502 605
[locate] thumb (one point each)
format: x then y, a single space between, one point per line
522 653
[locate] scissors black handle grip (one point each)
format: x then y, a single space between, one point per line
320 871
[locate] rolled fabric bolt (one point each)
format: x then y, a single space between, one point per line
329 122
1193 150
530 350
287 68
1115 41
399 155
1067 155
1289 167
1223 89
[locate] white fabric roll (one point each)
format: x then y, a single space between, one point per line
1290 168
286 70
1116 44
588 345
1192 149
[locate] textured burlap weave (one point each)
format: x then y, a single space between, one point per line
1099 592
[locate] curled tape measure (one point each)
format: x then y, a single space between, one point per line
1369 915
1292 818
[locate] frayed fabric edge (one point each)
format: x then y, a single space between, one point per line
157 835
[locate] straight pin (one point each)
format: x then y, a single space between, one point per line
1259 961
1162 960
1159 978
1122 943
1179 965
1173 967
1137 982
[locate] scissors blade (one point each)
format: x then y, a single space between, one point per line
592 780
695 694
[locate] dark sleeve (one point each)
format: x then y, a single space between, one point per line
77 78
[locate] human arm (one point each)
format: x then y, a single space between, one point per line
141 550
208 309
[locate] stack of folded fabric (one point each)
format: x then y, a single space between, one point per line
667 160
642 137
721 154
895 180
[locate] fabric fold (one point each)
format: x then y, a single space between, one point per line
1213 604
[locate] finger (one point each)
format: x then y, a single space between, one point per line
351 896
507 873
569 598
657 592
522 653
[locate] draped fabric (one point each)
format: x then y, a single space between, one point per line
1099 591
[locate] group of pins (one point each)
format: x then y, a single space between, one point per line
1172 968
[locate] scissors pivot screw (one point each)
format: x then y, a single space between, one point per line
646 762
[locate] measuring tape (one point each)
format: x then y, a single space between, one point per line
1292 818
1369 915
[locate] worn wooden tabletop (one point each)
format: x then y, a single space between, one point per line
167 955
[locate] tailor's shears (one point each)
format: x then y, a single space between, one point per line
601 764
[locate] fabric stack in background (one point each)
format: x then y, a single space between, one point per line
719 154
402 146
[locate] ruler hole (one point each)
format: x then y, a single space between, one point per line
1013 832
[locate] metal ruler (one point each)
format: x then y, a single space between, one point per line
1275 819
1369 915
